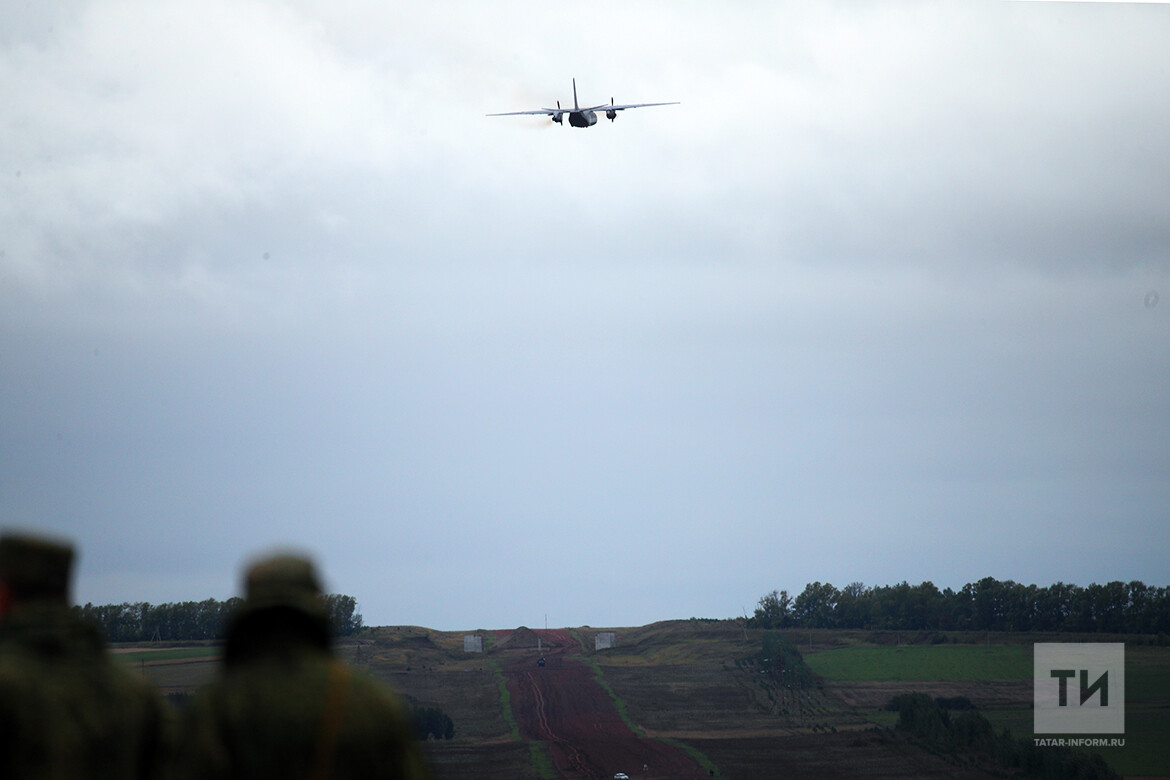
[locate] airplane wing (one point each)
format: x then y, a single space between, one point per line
612 107
534 111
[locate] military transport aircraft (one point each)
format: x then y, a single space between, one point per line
583 117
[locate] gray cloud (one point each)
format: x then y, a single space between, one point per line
871 304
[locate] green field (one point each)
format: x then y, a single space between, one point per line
923 663
1147 689
1147 674
170 654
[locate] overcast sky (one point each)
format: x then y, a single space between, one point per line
887 297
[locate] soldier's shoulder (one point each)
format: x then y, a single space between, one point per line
18 672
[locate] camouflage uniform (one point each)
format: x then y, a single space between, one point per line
66 710
284 706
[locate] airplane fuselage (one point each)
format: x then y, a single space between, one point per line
586 118
582 118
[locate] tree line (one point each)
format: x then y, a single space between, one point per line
192 620
986 605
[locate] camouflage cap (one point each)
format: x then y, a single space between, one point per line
283 581
35 566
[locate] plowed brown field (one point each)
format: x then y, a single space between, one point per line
562 705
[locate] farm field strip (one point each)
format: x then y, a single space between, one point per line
923 663
169 655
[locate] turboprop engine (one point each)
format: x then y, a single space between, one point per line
558 117
610 114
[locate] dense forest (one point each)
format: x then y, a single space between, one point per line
987 605
187 620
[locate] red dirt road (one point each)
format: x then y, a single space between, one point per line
562 705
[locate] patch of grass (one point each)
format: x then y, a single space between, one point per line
541 761
671 643
505 699
694 652
576 634
171 654
923 663
1017 721
1146 752
695 754
619 704
1147 674
882 717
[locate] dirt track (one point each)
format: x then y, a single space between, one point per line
562 705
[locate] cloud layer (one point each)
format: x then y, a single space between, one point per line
880 300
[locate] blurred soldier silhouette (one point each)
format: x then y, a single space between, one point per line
283 705
66 709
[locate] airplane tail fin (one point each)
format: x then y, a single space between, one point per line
575 93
